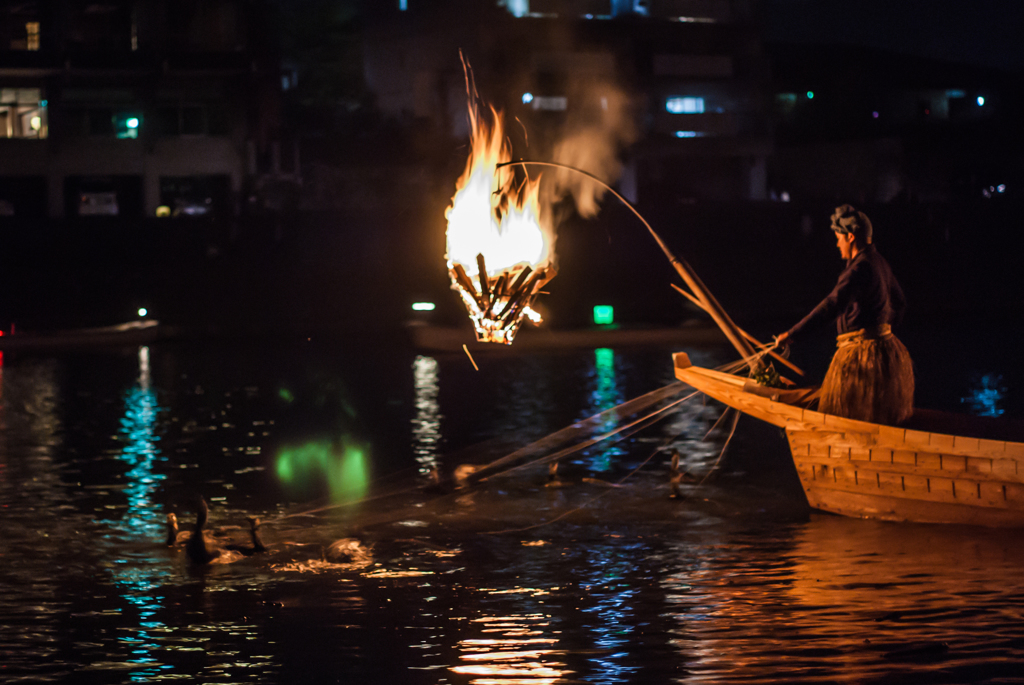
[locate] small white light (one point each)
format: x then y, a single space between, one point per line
785 196
423 306
686 134
143 311
981 101
132 123
36 123
527 98
1001 187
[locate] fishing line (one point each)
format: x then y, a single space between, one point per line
647 421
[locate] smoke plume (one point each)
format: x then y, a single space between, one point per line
592 140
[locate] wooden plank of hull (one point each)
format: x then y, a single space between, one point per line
860 505
866 470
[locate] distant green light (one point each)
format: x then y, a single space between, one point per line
604 314
810 95
423 306
286 395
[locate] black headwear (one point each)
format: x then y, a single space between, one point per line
846 219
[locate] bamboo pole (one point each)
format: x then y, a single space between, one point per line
750 338
689 276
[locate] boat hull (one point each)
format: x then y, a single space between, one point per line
867 470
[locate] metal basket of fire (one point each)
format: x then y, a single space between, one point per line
499 304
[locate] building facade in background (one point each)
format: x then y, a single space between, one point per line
136 107
687 75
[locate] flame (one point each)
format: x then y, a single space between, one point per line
495 219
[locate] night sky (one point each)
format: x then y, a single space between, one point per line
987 33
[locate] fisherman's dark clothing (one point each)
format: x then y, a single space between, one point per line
871 377
866 296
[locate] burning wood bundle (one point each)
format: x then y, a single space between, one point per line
495 233
498 305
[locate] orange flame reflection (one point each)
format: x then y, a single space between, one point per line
494 221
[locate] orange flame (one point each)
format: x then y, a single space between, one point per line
497 217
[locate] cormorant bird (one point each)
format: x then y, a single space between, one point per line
196 547
257 544
174 536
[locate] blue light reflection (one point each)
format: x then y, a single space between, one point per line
986 394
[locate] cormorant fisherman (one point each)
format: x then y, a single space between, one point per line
871 377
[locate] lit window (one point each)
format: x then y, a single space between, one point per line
527 98
981 101
32 35
689 134
403 5
22 113
684 105
551 104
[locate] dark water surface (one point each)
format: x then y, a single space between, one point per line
600 578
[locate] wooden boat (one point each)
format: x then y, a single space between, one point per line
131 333
922 472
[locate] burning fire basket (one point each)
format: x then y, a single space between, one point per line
495 222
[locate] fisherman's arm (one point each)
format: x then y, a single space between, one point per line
828 308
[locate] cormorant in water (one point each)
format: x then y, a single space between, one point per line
257 544
195 546
174 536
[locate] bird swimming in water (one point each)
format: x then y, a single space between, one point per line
347 551
257 546
174 536
677 476
199 552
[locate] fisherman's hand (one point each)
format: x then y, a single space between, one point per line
782 344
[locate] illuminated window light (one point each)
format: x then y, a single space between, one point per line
163 211
688 134
955 93
981 101
554 103
527 98
403 5
36 123
32 35
684 105
423 306
143 311
810 95
132 123
604 314
518 8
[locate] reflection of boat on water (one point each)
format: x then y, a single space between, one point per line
939 468
131 333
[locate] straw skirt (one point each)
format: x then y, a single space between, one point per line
871 378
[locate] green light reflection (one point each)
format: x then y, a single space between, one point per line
605 393
344 465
